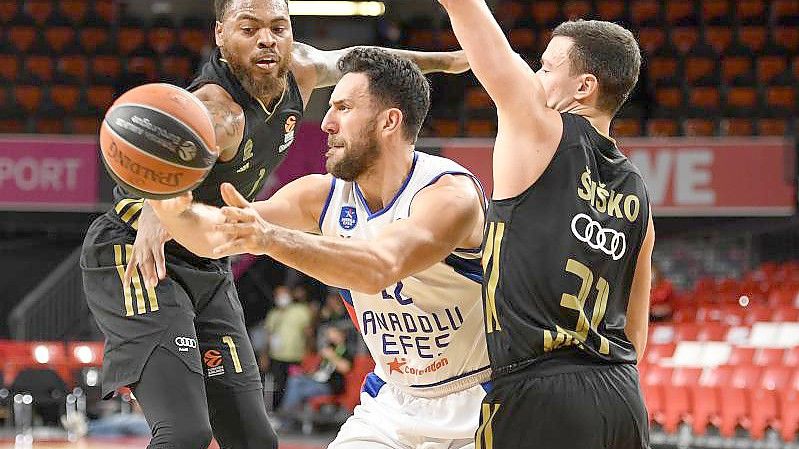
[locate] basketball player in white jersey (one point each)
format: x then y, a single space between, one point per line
400 235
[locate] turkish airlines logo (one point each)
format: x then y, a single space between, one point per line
609 241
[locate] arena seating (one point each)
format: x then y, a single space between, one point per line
728 360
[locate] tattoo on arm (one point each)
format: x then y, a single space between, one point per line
228 122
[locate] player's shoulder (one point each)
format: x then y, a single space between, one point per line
218 95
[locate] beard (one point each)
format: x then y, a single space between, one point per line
358 158
265 87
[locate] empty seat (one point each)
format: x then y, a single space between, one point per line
698 127
751 11
194 40
655 353
40 66
49 125
645 12
780 99
100 97
768 356
785 313
577 9
735 126
733 67
741 356
59 37
704 99
712 332
785 12
716 12
144 66
12 125
611 10
705 408
719 38
773 127
73 66
651 39
676 406
130 39
175 66
74 10
477 98
161 39
775 377
545 13
789 414
445 127
522 38
684 38
698 68
787 37
769 67
763 412
85 124
626 127
65 96
28 97
662 127
662 68
107 67
669 97
740 100
680 13
753 37
9 67
105 10
39 10
22 37
480 128
8 10
510 12
93 39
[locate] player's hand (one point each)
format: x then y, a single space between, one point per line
148 250
244 228
459 62
172 206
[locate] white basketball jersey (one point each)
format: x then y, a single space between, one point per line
426 332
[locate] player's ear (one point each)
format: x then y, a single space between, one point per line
392 121
588 86
218 33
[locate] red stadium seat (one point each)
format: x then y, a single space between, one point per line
715 11
656 375
719 38
106 10
144 66
772 127
9 67
657 352
40 66
477 98
684 38
445 127
742 356
662 68
612 10
734 126
655 404
108 67
176 66
22 36
12 125
768 356
651 39
781 98
704 98
39 10
789 414
74 10
28 97
753 37
7 11
626 127
545 12
65 96
749 11
687 332
679 12
791 357
480 128
734 410
787 37
738 98
59 37
669 97
93 38
775 377
662 127
756 313
699 127
704 408
522 38
712 332
100 97
735 66
129 39
698 67
85 125
194 40
676 407
49 125
783 11
74 66
645 12
510 12
577 9
769 67
764 412
161 39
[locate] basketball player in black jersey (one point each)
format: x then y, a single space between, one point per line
179 341
568 243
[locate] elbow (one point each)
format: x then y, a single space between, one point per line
383 274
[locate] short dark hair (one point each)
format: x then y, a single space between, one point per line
221 7
394 81
607 51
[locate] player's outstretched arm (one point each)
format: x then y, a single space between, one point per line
316 68
637 327
529 131
194 225
444 216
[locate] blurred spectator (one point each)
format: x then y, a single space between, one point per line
661 297
327 379
287 326
333 310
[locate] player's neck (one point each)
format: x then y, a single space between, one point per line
600 120
381 184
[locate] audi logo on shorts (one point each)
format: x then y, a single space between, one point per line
609 241
184 343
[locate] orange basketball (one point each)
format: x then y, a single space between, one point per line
158 141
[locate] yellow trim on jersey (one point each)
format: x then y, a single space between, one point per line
134 209
486 430
120 264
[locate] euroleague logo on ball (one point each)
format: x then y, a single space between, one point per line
212 358
187 150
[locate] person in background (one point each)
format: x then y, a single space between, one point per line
327 379
287 326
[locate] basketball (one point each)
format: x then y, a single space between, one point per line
158 141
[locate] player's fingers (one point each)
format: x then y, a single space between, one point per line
130 269
229 248
160 262
232 196
147 268
235 230
236 215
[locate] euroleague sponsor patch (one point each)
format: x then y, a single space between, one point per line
212 359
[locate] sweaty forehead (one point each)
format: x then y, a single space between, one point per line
353 87
263 9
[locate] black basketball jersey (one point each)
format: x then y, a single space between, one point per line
267 135
559 259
